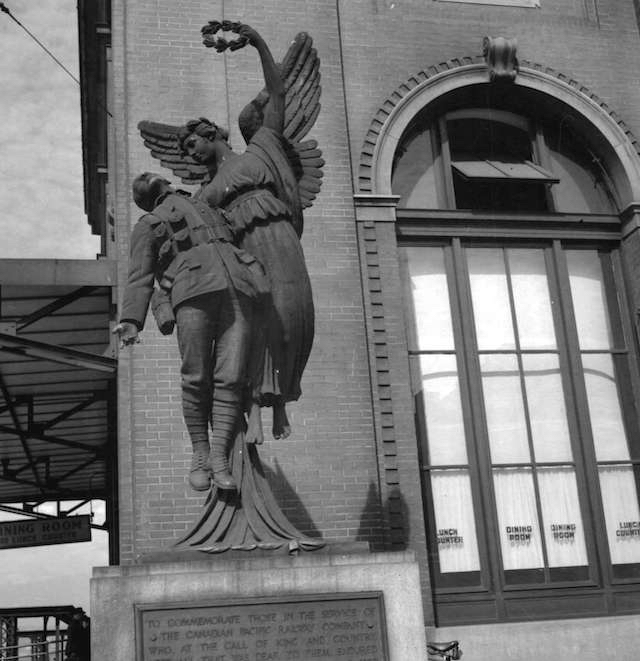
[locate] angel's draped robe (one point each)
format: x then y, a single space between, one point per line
258 190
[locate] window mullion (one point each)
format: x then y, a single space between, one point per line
618 337
527 417
463 374
620 357
446 164
442 176
630 320
541 152
629 331
580 422
623 372
489 527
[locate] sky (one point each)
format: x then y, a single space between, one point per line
41 197
56 575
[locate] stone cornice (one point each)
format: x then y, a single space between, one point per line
378 208
630 218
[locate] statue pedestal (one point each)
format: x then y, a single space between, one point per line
326 605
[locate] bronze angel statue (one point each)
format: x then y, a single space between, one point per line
262 193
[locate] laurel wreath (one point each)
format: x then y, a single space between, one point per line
221 44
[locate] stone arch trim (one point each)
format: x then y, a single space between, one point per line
393 116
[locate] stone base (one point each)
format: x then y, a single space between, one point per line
181 555
579 639
116 591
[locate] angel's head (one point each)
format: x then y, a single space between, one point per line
198 138
147 188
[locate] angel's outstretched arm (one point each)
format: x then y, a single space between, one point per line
274 109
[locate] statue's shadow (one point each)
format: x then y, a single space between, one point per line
250 518
290 501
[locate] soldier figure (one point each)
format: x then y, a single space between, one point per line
212 288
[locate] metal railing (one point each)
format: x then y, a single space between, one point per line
38 651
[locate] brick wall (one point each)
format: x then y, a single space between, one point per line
349 471
385 42
325 474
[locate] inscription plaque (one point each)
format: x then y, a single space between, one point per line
346 627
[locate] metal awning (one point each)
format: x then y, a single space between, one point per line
57 379
492 171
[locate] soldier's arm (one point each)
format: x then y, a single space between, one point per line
142 265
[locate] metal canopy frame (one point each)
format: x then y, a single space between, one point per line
57 385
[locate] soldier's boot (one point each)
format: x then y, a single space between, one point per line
224 423
200 472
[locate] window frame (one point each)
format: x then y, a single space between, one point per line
491 599
553 197
539 151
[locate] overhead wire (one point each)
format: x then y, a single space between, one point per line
4 9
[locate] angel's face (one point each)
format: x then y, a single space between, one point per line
201 149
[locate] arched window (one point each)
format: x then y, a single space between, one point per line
522 354
487 159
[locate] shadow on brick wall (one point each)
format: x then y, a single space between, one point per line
371 524
398 517
289 501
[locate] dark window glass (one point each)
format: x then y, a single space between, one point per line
486 140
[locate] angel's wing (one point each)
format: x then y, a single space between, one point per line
300 70
301 73
162 141
310 173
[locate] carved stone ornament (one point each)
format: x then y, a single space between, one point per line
500 56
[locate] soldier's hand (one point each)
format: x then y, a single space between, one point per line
127 333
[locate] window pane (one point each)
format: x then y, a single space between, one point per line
621 513
456 528
589 302
430 298
547 412
504 408
443 410
414 174
531 299
581 188
563 529
604 407
518 519
476 139
491 310
503 196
